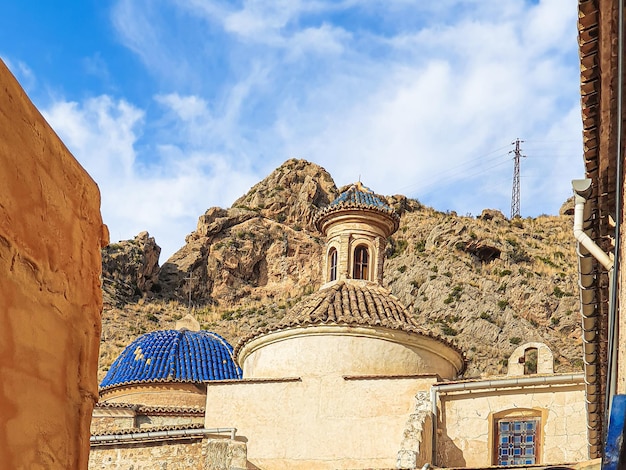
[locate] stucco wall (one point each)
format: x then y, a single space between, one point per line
335 350
50 299
466 435
321 423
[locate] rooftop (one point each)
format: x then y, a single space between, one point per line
357 196
349 303
174 355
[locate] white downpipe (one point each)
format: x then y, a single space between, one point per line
525 381
581 187
587 249
151 435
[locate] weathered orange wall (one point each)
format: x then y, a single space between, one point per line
51 232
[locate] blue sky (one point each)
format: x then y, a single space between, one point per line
175 106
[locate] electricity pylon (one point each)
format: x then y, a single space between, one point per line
515 196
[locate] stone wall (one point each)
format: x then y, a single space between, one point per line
161 455
51 233
187 454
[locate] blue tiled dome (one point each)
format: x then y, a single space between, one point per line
362 195
361 198
174 355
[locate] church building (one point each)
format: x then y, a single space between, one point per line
348 379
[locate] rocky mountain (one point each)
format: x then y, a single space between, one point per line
486 282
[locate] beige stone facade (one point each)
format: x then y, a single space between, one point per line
51 233
466 428
326 422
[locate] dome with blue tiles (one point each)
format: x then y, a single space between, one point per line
174 356
358 197
358 194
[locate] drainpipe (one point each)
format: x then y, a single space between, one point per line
611 386
525 381
582 190
587 250
157 435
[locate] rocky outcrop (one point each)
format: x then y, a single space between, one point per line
130 269
263 247
291 194
489 284
486 283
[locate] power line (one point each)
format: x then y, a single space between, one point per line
451 173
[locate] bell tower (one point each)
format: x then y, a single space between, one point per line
357 225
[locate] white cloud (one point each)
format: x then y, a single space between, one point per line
103 134
102 131
413 97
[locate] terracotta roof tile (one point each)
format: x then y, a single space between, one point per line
348 303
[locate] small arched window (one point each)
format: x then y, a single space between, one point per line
361 263
530 361
332 265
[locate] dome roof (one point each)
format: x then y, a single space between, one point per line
357 196
349 303
174 355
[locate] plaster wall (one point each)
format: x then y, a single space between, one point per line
317 422
51 233
324 351
465 429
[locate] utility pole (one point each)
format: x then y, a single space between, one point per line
189 286
515 196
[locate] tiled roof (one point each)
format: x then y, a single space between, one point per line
174 427
357 196
113 405
174 355
349 303
166 410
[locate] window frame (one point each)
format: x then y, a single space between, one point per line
517 416
333 258
360 266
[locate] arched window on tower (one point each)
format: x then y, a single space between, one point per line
332 265
361 263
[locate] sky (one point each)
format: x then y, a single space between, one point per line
176 106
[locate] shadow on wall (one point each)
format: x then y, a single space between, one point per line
448 453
